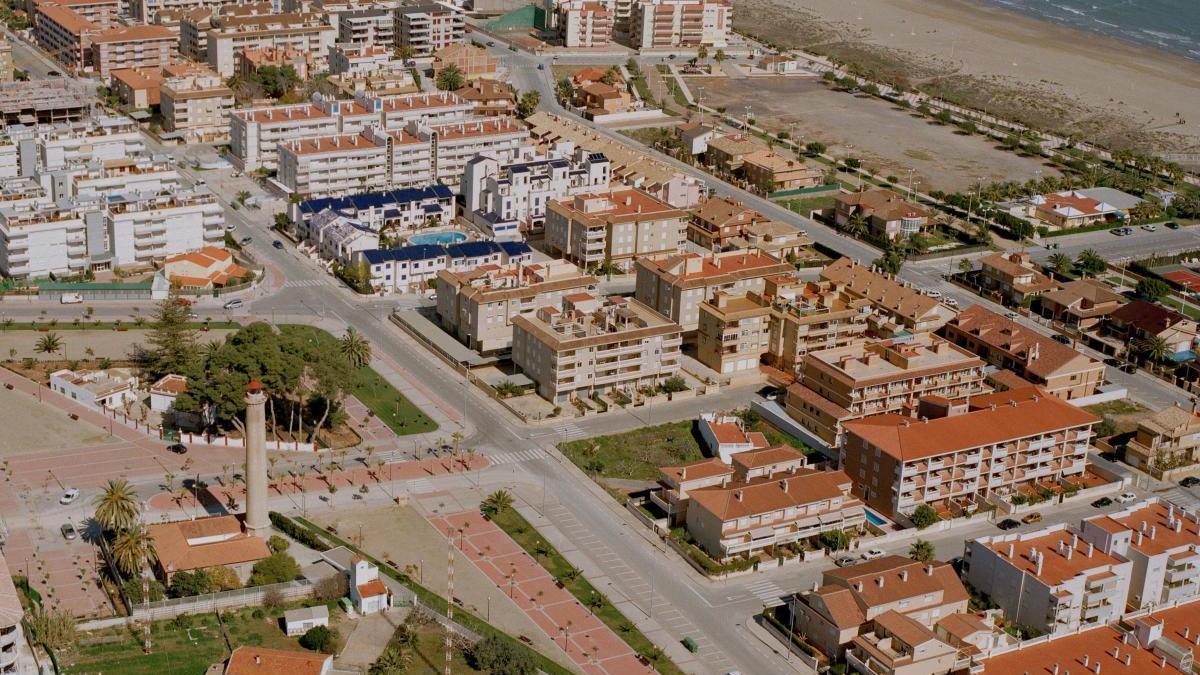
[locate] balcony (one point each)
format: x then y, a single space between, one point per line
1182 574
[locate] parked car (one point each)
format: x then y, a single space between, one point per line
1011 315
277 244
245 241
68 531
1190 481
1150 228
844 560
873 554
69 496
1115 363
1126 497
71 299
1102 502
951 302
541 66
1129 368
1008 524
178 448
233 304
1061 339
1032 518
229 227
933 294
1171 225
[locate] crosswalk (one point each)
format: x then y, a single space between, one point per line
418 486
516 457
563 429
1182 497
767 591
305 283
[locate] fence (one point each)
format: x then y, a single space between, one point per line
187 437
814 191
211 602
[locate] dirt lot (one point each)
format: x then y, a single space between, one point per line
886 138
30 426
110 343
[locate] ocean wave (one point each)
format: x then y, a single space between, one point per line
1067 8
1174 37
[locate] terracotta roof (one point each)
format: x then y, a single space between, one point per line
804 486
135 33
70 21
1005 265
1172 420
726 432
962 625
175 554
902 578
1056 567
714 269
753 459
883 203
722 211
1156 514
1029 415
1040 356
1090 291
170 384
817 401
882 291
1007 379
909 631
372 588
263 661
1147 316
621 205
1071 651
705 468
840 605
138 78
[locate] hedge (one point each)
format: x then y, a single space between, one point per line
301 534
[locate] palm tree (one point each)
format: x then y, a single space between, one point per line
131 548
393 661
1091 262
856 226
1061 263
356 348
1153 349
49 343
117 507
497 502
921 551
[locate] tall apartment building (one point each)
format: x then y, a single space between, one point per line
44 102
1004 343
255 133
195 23
72 236
304 32
734 333
1052 579
146 11
719 220
613 228
808 316
956 458
196 107
65 35
839 385
6 60
506 198
372 26
666 24
133 47
479 307
587 345
346 163
352 60
1162 542
899 308
675 285
51 147
16 658
429 27
582 23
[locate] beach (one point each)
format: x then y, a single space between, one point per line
1061 78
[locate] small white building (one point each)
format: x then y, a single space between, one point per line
368 592
164 392
726 435
412 268
299 621
97 388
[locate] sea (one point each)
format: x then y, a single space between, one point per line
1171 25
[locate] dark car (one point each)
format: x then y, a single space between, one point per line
1062 339
178 448
277 244
491 43
1008 524
1190 481
245 241
1129 368
541 66
1115 363
1102 502
1171 225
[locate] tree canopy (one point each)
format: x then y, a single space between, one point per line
450 78
499 657
276 80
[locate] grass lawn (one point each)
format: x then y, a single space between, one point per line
808 205
376 393
638 454
429 657
59 325
178 649
527 537
1124 414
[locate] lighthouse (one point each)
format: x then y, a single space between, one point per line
257 523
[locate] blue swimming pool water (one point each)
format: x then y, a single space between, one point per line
436 238
874 519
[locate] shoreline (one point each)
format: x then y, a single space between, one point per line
1118 33
1109 90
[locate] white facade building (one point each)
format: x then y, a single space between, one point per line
97 388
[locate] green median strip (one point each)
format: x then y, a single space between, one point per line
527 537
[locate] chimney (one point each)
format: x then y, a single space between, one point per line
257 660
1179 525
928 570
879 581
858 586
1040 559
1153 530
1086 660
1011 550
1070 552
1091 548
904 575
683 473
1074 540
737 494
1128 659
784 484
1061 546
1097 666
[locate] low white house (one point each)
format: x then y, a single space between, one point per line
299 621
726 435
367 590
164 392
97 388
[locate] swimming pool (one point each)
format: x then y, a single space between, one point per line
875 519
437 238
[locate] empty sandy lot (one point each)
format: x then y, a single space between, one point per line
30 426
883 136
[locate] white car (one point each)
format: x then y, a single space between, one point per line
951 302
1011 315
69 496
933 294
1125 498
873 554
233 304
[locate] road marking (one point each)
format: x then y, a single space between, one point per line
767 591
563 429
519 456
419 485
305 283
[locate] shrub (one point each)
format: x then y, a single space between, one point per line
498 656
331 588
275 568
278 544
132 590
320 639
185 584
923 516
300 534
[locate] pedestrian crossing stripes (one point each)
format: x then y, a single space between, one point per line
767 591
305 283
564 429
419 485
519 456
1182 497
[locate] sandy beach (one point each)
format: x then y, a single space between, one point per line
1067 78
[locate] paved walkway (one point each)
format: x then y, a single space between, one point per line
590 644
